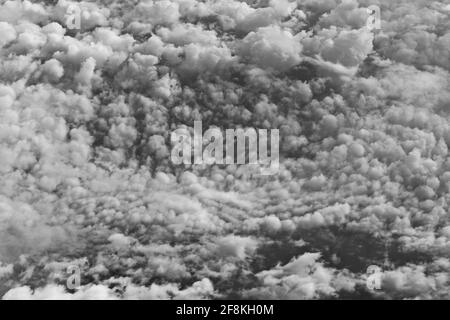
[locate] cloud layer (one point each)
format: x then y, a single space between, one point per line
85 122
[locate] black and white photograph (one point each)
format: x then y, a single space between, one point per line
224 150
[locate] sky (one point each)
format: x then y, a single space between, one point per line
86 176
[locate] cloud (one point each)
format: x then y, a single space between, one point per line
272 47
85 122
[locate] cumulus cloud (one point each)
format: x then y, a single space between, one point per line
272 47
87 181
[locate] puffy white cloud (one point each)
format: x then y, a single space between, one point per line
84 76
199 290
15 11
85 121
53 292
236 246
302 278
7 97
157 12
8 32
24 230
348 48
272 47
53 69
